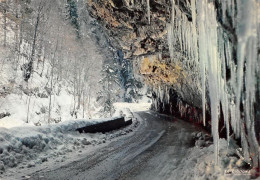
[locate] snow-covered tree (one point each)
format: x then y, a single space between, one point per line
131 85
73 15
110 89
128 82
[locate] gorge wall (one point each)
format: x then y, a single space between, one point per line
200 57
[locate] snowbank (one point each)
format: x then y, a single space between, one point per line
27 146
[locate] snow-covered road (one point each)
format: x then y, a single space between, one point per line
154 151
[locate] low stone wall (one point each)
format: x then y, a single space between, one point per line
105 126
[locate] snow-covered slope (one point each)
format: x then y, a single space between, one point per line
29 146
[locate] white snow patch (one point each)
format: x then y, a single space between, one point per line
126 109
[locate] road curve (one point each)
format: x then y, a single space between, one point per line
152 152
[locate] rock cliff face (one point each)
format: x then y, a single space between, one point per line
142 37
127 22
200 57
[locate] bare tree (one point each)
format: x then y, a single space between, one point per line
39 16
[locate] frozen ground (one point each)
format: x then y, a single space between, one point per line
161 147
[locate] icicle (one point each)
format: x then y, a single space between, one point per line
170 40
233 118
148 11
208 43
247 43
224 6
214 72
167 94
223 86
202 54
173 13
194 30
202 39
170 33
247 52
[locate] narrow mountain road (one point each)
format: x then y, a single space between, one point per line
152 152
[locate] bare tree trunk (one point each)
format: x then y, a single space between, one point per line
79 88
49 113
89 94
43 64
83 98
74 95
20 36
17 43
5 26
28 108
52 71
29 68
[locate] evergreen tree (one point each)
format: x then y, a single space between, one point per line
128 82
110 91
132 90
73 15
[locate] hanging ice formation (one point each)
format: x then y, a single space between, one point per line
207 46
148 11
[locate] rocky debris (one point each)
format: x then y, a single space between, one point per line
4 91
242 164
202 140
231 159
2 167
4 114
31 164
42 95
85 142
44 159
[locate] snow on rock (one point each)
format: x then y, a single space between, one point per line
200 163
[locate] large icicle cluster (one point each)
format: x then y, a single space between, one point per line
229 79
182 36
